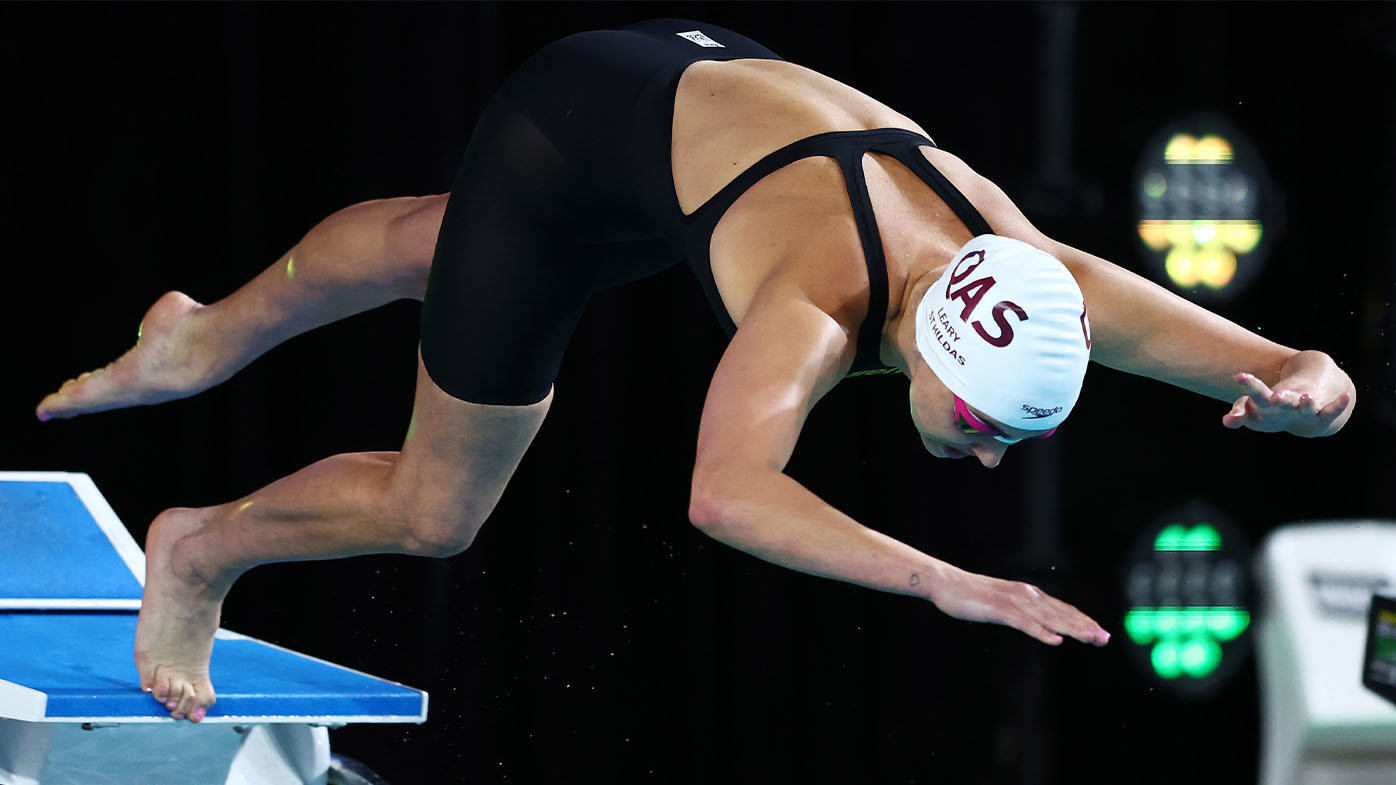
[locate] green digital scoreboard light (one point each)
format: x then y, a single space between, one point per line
1188 602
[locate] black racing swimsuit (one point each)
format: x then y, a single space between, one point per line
566 188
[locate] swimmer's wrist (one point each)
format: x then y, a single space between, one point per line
1316 373
929 579
1308 370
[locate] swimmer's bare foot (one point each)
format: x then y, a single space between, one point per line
179 615
167 362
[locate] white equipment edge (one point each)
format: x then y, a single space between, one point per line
34 703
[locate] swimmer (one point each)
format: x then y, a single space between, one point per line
832 237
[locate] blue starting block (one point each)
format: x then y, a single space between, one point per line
72 711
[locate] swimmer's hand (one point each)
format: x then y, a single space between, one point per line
1312 398
965 595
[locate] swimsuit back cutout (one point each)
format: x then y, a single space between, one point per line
848 149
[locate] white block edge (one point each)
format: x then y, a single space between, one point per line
18 702
229 635
332 720
32 604
134 558
112 526
13 476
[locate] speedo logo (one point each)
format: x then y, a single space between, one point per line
1034 413
698 38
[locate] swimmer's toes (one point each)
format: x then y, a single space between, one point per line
93 391
55 404
162 366
161 691
184 701
193 701
203 698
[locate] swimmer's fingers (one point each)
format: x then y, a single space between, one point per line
1062 619
1255 388
1334 409
1307 405
1321 421
1242 412
1248 410
1270 411
1266 399
1019 605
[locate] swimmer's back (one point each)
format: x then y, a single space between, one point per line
730 114
797 224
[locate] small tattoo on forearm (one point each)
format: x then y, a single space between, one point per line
915 579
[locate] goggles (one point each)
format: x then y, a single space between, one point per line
974 426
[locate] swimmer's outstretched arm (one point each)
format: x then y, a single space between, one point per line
358 258
1139 327
1144 329
786 356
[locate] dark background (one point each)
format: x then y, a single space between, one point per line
591 629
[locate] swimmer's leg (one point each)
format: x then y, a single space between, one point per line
430 499
359 258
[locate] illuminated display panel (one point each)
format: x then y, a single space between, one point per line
1204 208
1188 592
1379 663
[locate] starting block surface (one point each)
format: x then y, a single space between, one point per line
63 547
70 585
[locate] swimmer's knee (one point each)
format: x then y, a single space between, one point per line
440 533
438 544
411 241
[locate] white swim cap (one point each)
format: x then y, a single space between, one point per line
1005 329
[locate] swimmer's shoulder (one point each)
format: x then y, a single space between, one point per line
1005 217
783 80
770 103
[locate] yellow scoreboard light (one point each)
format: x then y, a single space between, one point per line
1204 208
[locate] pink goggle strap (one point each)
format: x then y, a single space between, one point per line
962 409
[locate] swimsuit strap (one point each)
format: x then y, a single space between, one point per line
913 159
847 148
855 180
